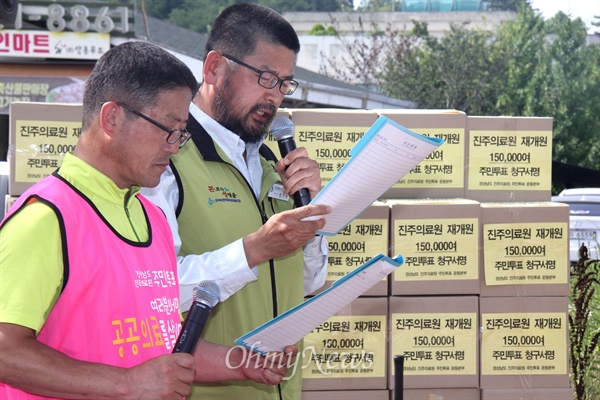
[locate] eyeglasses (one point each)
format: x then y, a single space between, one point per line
174 136
268 79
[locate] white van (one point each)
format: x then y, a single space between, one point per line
584 220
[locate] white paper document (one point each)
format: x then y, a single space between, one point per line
291 326
386 153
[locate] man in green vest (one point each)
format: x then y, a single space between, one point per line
229 202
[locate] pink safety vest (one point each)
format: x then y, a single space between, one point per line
120 304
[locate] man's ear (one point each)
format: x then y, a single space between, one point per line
108 117
214 66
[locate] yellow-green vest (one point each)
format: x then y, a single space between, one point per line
217 207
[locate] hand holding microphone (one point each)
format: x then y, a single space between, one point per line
282 130
206 295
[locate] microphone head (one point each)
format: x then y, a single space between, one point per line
207 292
282 128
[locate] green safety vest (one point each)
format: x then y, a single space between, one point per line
216 207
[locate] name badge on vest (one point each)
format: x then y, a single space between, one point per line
276 192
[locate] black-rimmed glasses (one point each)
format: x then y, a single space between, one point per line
268 79
174 136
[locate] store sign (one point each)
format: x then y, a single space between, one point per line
43 44
40 89
77 16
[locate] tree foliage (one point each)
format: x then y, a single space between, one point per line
507 5
303 5
575 80
531 67
362 56
198 15
320 30
455 71
195 15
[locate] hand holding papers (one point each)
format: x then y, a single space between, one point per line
294 324
386 153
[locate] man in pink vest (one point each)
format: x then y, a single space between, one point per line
88 276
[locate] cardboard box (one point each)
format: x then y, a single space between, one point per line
525 249
527 394
509 159
40 136
439 240
366 236
438 394
524 342
442 174
346 395
438 337
328 135
349 350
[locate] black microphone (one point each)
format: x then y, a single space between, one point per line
206 296
282 129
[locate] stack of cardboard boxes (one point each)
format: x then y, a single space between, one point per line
479 307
